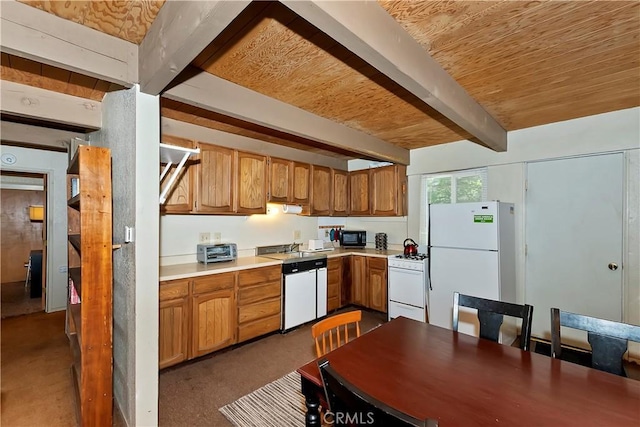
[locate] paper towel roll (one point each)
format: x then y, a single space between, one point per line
291 209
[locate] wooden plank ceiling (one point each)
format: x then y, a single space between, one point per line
527 63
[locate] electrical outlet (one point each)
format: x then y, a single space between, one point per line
296 234
204 238
217 237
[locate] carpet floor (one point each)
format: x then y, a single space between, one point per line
192 393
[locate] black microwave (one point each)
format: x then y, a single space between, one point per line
353 238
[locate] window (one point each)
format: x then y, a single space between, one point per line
453 187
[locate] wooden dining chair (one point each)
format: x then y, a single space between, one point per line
351 406
609 340
330 329
491 315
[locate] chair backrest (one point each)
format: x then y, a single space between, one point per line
491 315
351 406
608 339
336 329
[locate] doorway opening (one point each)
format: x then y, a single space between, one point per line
23 229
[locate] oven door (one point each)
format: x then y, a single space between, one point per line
407 287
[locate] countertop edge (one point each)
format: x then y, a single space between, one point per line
185 271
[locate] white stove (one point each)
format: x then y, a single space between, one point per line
408 282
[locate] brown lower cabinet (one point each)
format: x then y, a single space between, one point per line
207 313
368 282
334 283
174 322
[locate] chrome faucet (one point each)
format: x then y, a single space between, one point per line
294 247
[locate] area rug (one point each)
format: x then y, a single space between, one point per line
277 404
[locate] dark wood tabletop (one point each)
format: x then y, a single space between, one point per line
431 372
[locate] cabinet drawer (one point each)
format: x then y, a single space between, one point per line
332 290
256 276
214 282
334 263
258 327
259 293
378 263
259 310
174 289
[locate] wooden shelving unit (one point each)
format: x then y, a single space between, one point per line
89 298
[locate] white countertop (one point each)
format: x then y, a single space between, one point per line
183 271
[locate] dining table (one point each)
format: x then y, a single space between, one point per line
430 372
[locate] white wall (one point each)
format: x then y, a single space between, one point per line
54 164
179 233
615 131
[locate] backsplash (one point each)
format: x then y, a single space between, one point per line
179 234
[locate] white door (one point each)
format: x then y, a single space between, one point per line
574 239
299 298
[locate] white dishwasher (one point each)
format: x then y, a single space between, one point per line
304 292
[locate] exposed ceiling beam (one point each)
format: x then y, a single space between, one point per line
367 30
32 102
37 135
33 34
212 93
179 33
213 136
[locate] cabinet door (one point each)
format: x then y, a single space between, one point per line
340 193
388 190
174 331
301 183
358 281
321 190
280 180
180 197
359 193
252 183
377 282
334 283
213 319
215 180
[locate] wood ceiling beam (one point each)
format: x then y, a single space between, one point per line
33 34
32 102
179 33
367 30
215 94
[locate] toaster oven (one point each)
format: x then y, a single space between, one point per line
207 253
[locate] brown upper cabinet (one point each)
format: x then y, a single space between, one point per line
180 197
251 183
280 180
359 195
301 183
225 181
215 175
220 181
321 190
340 193
389 190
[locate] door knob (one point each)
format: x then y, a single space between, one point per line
613 266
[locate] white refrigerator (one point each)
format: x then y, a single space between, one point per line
472 251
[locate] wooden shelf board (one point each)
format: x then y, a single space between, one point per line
75 240
74 202
76 275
